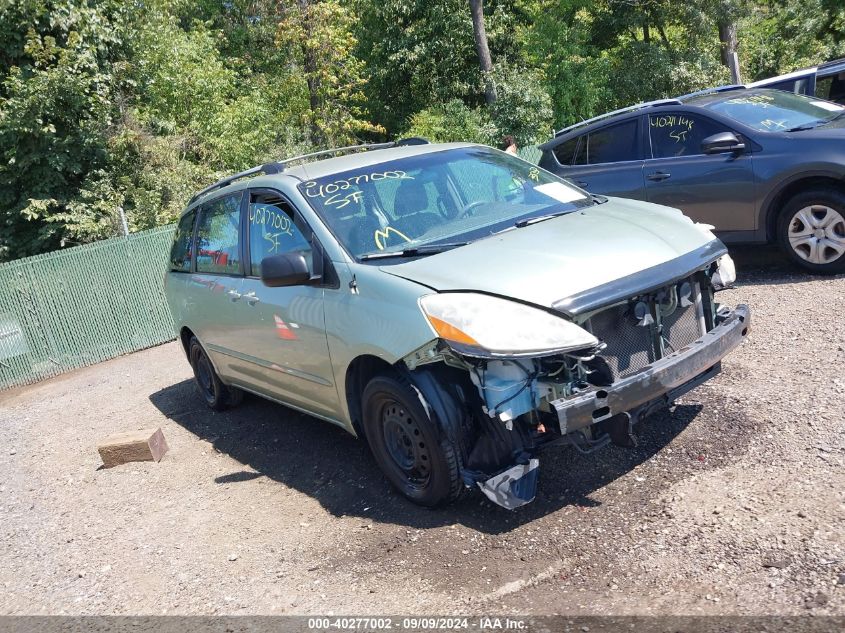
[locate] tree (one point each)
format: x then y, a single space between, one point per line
727 12
57 103
319 34
484 61
421 53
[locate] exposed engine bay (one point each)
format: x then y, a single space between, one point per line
651 348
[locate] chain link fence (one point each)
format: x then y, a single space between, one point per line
79 306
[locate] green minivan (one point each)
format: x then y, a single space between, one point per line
454 305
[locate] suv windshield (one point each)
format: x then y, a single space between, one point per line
448 198
777 111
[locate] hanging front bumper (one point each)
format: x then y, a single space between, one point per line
667 378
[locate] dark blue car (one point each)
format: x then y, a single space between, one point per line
760 165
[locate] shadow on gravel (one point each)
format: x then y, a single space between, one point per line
758 265
324 462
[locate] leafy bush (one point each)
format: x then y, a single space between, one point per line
641 72
453 121
522 108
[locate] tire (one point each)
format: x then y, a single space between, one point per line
216 395
412 452
811 230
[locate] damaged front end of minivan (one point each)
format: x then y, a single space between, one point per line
512 378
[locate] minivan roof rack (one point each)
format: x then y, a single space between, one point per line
714 90
647 104
279 166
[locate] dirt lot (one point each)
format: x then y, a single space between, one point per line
733 503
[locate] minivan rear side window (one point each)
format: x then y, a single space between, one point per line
180 252
614 143
218 236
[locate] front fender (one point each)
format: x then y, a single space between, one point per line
372 314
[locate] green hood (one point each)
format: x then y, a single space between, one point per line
547 262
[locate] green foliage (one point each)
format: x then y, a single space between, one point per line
420 53
319 35
180 74
56 106
597 56
783 35
453 121
641 72
558 44
522 108
100 108
106 104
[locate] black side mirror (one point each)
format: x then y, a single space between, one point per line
722 143
285 269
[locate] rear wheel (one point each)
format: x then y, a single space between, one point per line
216 395
811 230
407 444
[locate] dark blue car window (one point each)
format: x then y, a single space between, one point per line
679 133
613 144
565 152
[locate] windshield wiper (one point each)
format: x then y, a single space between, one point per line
808 126
549 216
423 249
819 123
540 218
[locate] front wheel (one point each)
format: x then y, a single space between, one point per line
811 230
409 448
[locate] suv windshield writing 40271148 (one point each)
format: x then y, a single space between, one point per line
454 306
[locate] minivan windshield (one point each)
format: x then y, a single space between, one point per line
777 111
411 205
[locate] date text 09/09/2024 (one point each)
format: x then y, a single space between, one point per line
418 623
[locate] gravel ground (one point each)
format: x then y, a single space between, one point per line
733 503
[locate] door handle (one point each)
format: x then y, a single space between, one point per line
234 295
659 175
581 183
251 298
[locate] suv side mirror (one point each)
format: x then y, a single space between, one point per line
722 143
285 269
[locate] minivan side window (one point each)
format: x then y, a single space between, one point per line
679 133
218 243
272 231
613 144
180 252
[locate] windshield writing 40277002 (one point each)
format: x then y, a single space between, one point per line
336 194
321 190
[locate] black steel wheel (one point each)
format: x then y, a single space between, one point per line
216 395
407 444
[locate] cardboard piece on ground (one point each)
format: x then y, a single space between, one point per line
132 446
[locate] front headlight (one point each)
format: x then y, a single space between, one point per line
725 274
481 325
